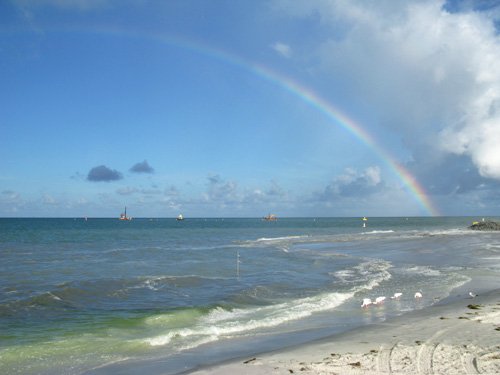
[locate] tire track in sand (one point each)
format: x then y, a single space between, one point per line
384 359
428 358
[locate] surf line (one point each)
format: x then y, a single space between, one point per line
302 92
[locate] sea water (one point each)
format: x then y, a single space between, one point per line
103 296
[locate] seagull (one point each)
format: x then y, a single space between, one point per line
472 295
366 302
379 300
397 295
418 295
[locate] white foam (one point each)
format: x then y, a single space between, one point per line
423 270
219 314
165 339
276 239
379 232
375 272
493 245
446 232
344 275
54 296
223 323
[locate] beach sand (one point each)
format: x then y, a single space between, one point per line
462 337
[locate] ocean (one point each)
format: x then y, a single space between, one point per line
160 296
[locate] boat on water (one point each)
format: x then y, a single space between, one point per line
180 217
270 217
124 217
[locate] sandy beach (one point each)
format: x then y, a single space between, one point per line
462 337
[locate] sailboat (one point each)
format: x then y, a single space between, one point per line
180 217
123 215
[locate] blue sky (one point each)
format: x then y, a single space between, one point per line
171 107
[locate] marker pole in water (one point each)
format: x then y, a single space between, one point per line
238 264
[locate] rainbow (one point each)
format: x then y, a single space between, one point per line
303 93
338 117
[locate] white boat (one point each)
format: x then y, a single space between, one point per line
180 217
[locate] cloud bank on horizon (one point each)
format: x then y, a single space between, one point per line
421 76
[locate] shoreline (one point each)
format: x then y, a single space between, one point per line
461 337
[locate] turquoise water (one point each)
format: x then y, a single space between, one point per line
107 296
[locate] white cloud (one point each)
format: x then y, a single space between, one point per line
478 133
171 191
283 49
10 195
228 197
362 192
11 202
353 183
127 190
48 199
372 175
431 75
221 191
